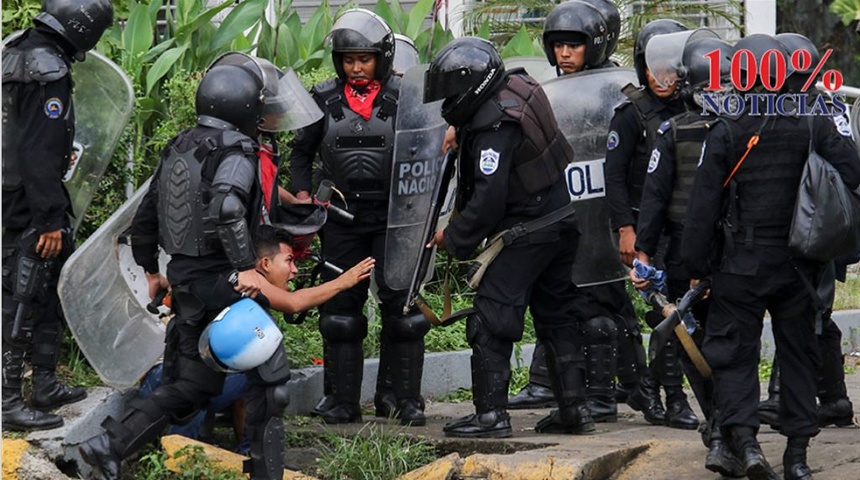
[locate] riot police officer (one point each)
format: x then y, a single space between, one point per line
512 155
355 143
835 406
667 187
579 23
38 130
203 207
757 270
632 133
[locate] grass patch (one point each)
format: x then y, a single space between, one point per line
457 396
765 368
194 465
376 452
848 293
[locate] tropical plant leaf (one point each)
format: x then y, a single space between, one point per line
137 36
241 18
157 50
185 31
416 17
520 45
162 66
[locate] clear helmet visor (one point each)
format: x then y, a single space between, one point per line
288 106
664 54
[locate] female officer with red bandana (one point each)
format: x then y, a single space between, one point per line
355 142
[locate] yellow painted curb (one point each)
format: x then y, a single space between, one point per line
442 469
495 467
222 459
13 451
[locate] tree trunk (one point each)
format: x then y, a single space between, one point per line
826 30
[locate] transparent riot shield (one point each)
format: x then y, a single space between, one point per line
104 98
584 118
104 296
664 54
537 67
415 171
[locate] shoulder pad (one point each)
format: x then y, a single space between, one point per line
488 114
393 84
232 138
325 87
664 127
44 65
622 104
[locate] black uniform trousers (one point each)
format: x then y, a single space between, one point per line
762 278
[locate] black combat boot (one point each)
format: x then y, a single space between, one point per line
601 336
839 412
384 401
646 399
746 448
678 411
345 363
794 459
835 408
491 374
17 416
768 410
407 371
537 393
48 392
568 376
104 453
720 457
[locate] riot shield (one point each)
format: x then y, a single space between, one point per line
104 98
104 296
415 171
664 54
584 119
537 67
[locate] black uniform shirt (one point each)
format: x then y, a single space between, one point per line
656 193
46 128
621 150
705 205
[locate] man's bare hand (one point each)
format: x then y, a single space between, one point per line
639 283
249 283
696 281
626 243
303 195
450 142
288 198
360 271
438 240
156 282
50 244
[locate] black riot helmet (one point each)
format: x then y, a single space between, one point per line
360 30
464 73
757 45
698 67
794 42
657 27
80 22
576 21
612 18
230 97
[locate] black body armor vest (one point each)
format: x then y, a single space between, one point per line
689 131
185 176
356 153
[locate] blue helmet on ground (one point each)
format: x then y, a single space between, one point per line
242 337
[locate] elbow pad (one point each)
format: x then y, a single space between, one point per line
236 240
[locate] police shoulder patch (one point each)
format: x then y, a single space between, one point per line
489 161
654 161
53 108
612 140
664 127
842 125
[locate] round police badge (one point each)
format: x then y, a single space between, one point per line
53 108
654 161
612 140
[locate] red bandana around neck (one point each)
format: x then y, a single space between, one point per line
360 95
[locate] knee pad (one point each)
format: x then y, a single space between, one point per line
195 378
276 369
599 330
277 399
410 327
343 328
